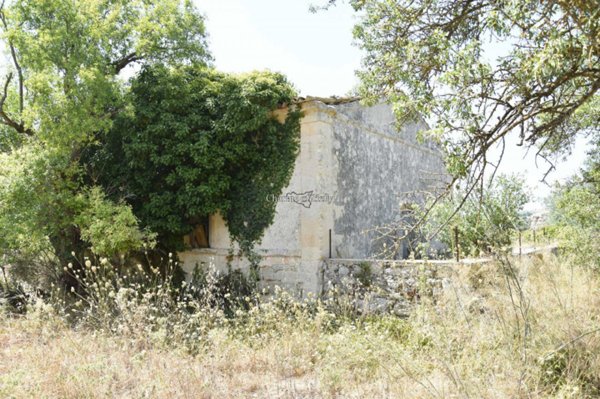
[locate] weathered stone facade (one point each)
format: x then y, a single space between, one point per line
354 170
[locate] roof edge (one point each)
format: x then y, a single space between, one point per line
333 100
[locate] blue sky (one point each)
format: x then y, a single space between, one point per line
316 52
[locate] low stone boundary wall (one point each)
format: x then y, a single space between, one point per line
389 286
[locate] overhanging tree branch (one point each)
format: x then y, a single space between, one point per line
4 118
123 62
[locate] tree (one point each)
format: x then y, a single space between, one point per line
431 58
484 224
46 213
575 212
63 85
93 163
428 57
197 142
62 91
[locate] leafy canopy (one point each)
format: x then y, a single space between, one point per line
45 213
575 211
484 224
62 89
62 86
429 57
196 142
91 160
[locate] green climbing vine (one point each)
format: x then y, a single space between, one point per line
195 142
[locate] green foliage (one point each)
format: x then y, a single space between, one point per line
67 55
61 92
45 215
111 228
86 153
37 202
432 58
575 213
197 142
485 222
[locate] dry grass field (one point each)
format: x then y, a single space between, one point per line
531 334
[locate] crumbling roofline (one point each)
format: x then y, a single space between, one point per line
333 100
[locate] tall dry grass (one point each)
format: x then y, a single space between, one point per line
507 330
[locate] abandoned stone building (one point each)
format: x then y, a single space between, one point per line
353 172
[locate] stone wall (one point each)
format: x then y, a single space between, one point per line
354 171
378 167
293 247
388 286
